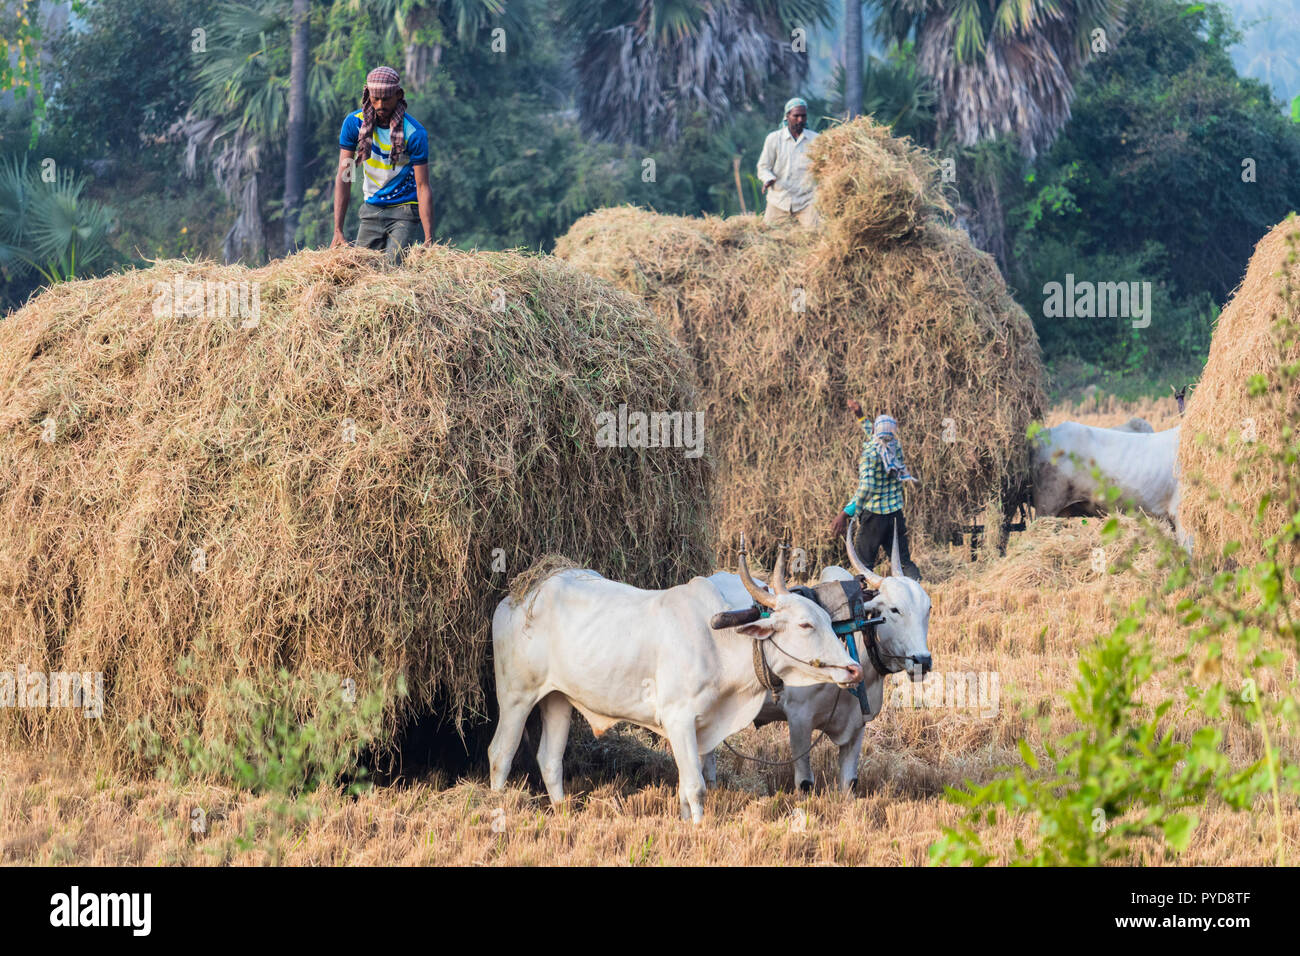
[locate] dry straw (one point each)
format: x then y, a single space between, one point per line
323 487
1218 468
885 303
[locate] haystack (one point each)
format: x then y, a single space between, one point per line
885 303
1229 436
195 492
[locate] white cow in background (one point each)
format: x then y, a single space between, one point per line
902 646
619 653
1142 466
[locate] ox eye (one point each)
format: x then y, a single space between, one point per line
805 624
894 610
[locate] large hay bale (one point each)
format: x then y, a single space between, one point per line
322 488
1223 455
885 303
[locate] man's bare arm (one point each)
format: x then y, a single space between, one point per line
342 194
424 195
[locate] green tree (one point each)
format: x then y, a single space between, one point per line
645 66
1001 69
893 92
1170 171
123 78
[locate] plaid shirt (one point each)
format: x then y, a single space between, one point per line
877 492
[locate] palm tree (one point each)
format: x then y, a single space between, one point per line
49 227
852 73
644 66
418 25
1001 67
239 118
296 141
893 92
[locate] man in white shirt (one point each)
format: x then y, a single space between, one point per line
783 169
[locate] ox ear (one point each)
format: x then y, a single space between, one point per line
760 630
875 603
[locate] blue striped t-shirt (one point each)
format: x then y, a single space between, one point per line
385 184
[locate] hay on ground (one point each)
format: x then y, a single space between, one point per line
354 475
1227 433
884 303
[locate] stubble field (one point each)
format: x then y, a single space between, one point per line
1023 617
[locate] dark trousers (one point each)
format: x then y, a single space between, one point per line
877 531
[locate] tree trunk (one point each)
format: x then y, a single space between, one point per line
420 59
852 58
296 139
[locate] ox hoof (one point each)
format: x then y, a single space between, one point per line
805 786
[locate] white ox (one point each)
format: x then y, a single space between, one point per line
619 653
1135 424
1142 466
902 645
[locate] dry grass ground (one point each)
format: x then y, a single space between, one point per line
1024 616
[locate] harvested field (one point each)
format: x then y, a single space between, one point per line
1025 616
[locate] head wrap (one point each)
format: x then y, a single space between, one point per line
891 455
791 104
381 82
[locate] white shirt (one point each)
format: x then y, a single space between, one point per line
785 159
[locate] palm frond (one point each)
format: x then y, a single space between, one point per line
1001 67
638 82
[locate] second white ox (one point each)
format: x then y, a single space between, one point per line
1142 466
901 645
618 653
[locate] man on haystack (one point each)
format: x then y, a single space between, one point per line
783 168
394 151
878 502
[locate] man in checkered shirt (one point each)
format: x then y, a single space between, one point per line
878 502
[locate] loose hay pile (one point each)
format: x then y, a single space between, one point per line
1226 429
354 475
885 303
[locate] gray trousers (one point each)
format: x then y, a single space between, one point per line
389 228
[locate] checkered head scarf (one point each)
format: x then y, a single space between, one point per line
380 82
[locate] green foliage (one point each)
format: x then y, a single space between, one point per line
116 82
894 92
308 733
1122 776
1150 181
49 226
1127 773
1179 330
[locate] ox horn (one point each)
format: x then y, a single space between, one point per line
871 576
895 559
760 595
778 573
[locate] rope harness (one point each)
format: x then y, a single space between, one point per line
786 763
845 629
